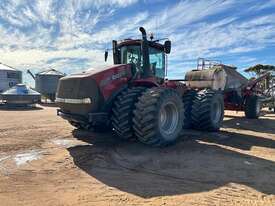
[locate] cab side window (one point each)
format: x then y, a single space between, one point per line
157 62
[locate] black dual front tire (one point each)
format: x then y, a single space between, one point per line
158 117
207 110
121 115
77 125
122 112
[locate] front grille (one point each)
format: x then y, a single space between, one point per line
78 87
68 88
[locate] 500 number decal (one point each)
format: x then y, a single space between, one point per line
113 77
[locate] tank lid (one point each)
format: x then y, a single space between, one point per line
51 72
6 67
20 89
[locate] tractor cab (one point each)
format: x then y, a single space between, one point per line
148 58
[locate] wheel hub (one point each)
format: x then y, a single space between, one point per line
258 107
168 119
216 112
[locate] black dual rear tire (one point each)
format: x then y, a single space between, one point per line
207 110
187 100
158 117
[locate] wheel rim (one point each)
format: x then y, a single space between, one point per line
216 112
169 117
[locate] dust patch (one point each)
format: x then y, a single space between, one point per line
4 158
24 158
65 142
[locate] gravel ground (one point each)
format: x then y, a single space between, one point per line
44 161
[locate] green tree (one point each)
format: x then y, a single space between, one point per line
260 69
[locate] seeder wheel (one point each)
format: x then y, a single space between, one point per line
252 107
208 110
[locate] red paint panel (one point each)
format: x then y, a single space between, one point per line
113 78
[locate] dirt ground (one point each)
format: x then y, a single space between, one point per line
44 161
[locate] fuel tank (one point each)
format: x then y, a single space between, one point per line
219 77
214 78
89 92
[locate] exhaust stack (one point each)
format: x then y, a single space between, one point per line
145 53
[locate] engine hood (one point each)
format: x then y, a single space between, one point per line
96 85
93 71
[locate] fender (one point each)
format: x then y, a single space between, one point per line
109 102
113 78
148 82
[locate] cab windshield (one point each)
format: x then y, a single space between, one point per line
132 55
157 62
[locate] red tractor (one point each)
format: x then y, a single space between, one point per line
134 98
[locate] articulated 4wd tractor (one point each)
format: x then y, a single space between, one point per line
135 100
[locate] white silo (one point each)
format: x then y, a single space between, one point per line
9 77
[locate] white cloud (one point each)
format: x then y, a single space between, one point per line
64 31
40 58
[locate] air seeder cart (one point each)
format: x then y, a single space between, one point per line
240 94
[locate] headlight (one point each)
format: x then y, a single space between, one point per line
74 101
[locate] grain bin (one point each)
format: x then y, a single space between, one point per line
21 95
9 77
46 82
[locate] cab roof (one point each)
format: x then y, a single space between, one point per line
128 42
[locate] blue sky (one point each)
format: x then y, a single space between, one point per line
71 35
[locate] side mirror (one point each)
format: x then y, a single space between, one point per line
106 55
167 47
